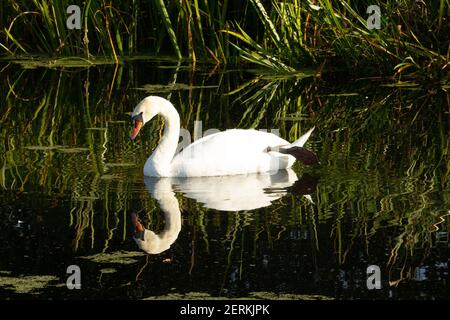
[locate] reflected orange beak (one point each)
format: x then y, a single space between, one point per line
136 223
137 127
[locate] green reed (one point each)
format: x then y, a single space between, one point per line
39 27
114 29
411 44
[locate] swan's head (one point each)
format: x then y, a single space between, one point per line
145 111
147 240
151 243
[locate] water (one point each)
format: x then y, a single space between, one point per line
71 180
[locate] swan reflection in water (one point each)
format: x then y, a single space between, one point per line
224 193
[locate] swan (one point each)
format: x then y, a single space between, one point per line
231 152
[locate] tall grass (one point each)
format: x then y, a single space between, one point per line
39 27
412 42
114 29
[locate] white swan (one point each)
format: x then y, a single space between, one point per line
231 152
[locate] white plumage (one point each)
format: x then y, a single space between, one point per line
230 152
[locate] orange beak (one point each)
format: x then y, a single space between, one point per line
137 224
137 127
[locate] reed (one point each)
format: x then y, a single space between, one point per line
39 27
411 44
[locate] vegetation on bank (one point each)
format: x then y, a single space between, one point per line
411 43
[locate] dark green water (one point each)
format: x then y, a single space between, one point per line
70 179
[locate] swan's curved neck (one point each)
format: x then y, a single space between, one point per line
172 216
162 156
163 194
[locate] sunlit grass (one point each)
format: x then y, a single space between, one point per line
411 44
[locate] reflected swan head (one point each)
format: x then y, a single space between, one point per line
152 243
148 240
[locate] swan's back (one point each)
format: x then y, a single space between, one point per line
235 151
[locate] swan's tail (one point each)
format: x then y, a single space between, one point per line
296 150
302 140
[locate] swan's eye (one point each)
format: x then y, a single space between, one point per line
137 118
137 122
